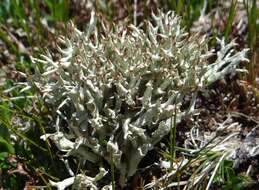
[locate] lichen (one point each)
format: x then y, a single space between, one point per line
117 90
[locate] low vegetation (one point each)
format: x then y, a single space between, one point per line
129 94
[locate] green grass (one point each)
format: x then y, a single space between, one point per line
202 169
230 20
59 10
253 29
26 25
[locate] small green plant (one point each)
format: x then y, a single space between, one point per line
227 177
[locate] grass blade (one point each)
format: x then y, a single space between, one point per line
231 16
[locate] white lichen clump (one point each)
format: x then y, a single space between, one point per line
116 91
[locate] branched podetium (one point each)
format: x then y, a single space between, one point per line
123 86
